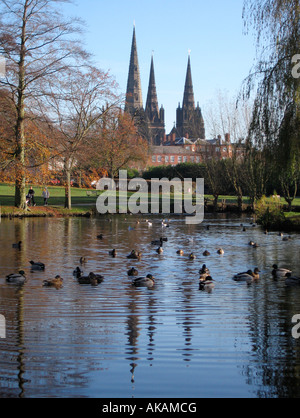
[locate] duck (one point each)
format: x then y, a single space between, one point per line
292 280
160 250
18 245
92 278
16 278
149 223
251 243
279 272
204 270
206 253
37 266
82 260
207 284
57 282
77 272
180 252
134 255
100 236
113 253
221 251
158 242
148 281
286 238
95 279
192 256
247 276
203 276
132 272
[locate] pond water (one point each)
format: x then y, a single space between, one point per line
173 341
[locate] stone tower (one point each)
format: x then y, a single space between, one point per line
155 116
134 99
190 122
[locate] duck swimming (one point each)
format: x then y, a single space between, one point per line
158 242
221 251
92 279
147 281
57 282
18 245
160 250
207 284
113 253
134 255
37 266
247 276
206 253
192 256
77 272
204 270
17 278
279 272
132 272
180 252
292 280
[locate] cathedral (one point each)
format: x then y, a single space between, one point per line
151 119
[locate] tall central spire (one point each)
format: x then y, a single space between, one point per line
152 102
134 98
188 98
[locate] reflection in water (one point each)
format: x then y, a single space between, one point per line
81 341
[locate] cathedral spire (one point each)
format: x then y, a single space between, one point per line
152 109
134 98
188 97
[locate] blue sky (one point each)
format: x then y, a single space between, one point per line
221 54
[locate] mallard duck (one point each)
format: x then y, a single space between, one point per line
204 270
247 276
206 253
180 252
92 279
82 260
134 255
292 280
160 250
279 272
158 242
133 272
192 256
100 236
77 272
113 253
144 281
37 266
16 278
221 251
286 238
18 245
207 284
95 279
57 282
251 243
203 276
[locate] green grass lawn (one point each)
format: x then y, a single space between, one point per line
82 202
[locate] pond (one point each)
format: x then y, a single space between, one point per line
170 341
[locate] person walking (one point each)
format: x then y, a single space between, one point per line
46 196
31 195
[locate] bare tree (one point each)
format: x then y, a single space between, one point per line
37 43
75 102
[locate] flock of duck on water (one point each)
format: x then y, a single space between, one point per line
206 282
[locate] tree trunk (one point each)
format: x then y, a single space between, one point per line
20 184
68 202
